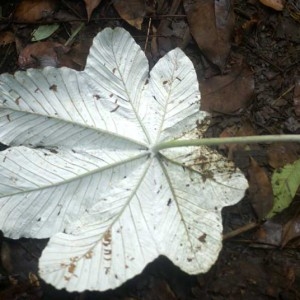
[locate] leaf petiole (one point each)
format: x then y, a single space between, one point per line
230 140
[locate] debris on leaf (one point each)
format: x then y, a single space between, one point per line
211 24
285 183
132 11
260 190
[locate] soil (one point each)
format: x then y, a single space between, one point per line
252 263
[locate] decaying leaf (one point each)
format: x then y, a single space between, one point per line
211 24
83 166
291 230
42 54
297 97
285 183
260 190
228 93
90 5
281 154
132 11
31 11
275 4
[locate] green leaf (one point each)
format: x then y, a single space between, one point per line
285 183
43 32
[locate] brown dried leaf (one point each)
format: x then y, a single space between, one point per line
260 190
6 37
269 233
31 11
211 24
297 97
90 5
275 4
291 230
132 11
227 93
42 54
281 154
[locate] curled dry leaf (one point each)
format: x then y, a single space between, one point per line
211 24
275 4
31 11
228 93
42 54
132 11
260 190
90 5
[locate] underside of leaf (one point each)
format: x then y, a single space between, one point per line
81 168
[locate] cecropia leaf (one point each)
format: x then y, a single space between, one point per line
82 170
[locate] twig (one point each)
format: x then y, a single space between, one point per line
240 230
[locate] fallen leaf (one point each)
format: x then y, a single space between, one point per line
291 230
211 24
43 32
260 190
285 183
296 99
86 167
6 37
42 54
269 233
228 93
275 4
132 11
281 154
90 5
31 11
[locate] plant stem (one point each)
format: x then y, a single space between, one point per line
230 140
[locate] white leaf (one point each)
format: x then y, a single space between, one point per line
81 167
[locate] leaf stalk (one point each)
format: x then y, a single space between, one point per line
229 140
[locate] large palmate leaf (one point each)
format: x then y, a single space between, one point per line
82 167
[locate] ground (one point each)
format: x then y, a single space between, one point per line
247 58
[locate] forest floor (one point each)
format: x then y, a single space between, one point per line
247 58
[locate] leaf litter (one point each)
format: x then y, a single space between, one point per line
266 115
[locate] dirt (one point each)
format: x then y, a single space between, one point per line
258 76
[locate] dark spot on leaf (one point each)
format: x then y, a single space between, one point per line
202 238
18 100
36 90
111 95
97 97
53 88
147 81
165 82
189 259
39 219
169 202
8 117
178 78
113 110
114 70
